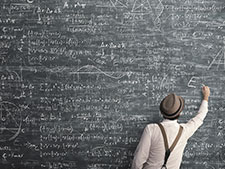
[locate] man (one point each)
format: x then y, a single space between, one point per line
150 151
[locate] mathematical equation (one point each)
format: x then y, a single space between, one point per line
80 79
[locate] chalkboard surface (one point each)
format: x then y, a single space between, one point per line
80 79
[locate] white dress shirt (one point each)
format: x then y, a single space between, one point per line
150 151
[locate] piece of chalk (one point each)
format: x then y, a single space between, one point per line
203 84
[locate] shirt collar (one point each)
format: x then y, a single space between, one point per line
169 121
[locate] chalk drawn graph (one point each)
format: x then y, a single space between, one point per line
142 7
218 60
90 69
10 121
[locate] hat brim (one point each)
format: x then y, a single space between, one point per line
177 113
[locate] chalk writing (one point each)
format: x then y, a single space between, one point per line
80 79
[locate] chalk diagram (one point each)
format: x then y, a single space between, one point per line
120 3
10 121
219 59
153 8
90 69
222 155
216 63
10 113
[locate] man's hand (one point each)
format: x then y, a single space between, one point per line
205 92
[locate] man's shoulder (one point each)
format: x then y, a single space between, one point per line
151 125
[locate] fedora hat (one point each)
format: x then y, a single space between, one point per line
171 106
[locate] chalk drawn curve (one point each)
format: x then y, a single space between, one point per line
11 121
90 69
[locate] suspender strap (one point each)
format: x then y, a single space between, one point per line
169 150
164 135
177 138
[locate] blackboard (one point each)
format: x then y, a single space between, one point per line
80 79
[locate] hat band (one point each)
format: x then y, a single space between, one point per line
176 111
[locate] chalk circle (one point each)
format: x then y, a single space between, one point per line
222 154
10 121
30 1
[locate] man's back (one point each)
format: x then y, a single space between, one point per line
157 150
151 150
